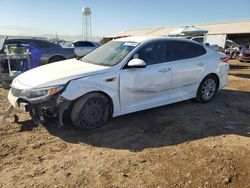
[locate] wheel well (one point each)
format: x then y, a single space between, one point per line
101 92
111 107
56 56
216 77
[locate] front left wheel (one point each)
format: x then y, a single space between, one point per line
90 111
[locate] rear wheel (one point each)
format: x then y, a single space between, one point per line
207 89
90 111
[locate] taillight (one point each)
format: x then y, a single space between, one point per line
224 59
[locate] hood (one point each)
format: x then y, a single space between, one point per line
57 73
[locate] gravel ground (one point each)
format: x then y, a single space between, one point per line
180 145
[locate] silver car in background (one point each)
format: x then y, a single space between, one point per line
81 48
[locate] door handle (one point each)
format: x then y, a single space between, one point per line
201 64
164 70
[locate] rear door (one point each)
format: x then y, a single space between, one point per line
149 86
187 67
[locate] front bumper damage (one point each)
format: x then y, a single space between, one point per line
40 110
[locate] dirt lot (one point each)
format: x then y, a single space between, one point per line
181 145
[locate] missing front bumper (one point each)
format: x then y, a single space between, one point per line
43 110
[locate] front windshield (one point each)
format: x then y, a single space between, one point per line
110 54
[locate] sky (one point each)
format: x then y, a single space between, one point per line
64 17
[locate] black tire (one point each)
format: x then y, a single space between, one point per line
56 58
207 89
90 111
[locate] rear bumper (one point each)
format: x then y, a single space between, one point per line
223 75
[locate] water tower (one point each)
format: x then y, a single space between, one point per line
86 24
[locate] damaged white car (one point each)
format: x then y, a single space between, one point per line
123 76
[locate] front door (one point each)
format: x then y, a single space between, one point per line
146 87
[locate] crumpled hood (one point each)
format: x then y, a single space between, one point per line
56 74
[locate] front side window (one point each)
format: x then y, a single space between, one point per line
13 42
110 54
153 53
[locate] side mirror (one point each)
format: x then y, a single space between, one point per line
137 63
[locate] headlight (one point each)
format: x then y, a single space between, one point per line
41 92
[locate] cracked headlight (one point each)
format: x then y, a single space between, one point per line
38 93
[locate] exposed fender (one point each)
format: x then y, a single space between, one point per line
205 75
80 87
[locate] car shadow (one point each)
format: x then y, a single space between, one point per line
238 67
169 125
241 75
27 125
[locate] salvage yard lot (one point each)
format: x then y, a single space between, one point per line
186 144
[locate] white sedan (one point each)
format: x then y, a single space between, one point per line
123 76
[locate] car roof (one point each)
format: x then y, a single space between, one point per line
140 39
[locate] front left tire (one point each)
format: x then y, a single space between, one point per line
90 111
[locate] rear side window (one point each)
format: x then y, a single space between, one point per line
200 50
45 44
30 42
153 53
52 45
182 50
